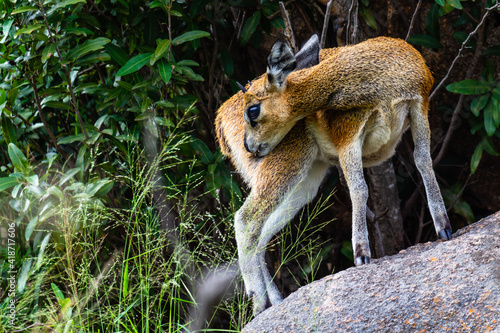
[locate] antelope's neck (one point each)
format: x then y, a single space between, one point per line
309 90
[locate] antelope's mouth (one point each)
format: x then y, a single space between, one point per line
255 148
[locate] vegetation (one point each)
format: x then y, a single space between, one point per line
115 201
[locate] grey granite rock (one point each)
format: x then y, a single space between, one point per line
451 286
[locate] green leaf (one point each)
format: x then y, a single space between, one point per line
79 31
164 121
23 275
104 187
489 123
117 54
88 46
479 103
57 292
460 36
367 15
346 250
134 64
227 62
18 159
161 49
455 4
189 73
187 62
462 208
164 103
68 175
476 158
249 28
55 191
43 245
56 105
24 9
488 73
165 70
494 50
93 59
189 36
469 87
496 92
7 24
9 130
30 227
440 2
432 22
82 161
125 280
489 146
48 51
68 3
496 111
7 182
426 41
71 138
205 153
144 116
28 30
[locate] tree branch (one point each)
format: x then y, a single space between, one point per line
289 36
325 23
213 63
456 112
455 119
352 38
466 41
66 73
42 117
413 19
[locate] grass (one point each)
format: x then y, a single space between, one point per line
86 266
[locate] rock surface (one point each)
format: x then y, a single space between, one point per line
451 286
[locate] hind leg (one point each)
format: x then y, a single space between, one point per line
422 155
352 165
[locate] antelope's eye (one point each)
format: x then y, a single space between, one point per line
254 112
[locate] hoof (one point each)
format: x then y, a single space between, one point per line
362 260
445 234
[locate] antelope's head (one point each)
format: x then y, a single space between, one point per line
267 113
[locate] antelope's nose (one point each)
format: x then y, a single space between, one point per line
257 149
246 145
251 146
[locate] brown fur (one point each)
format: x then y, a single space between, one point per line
372 74
349 110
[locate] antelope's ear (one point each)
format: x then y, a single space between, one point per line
308 55
280 63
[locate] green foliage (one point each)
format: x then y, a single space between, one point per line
106 118
485 104
96 105
433 35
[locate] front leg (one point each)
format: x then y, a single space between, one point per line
352 166
266 211
248 226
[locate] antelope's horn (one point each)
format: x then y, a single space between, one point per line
241 87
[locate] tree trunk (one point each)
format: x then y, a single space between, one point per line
387 225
